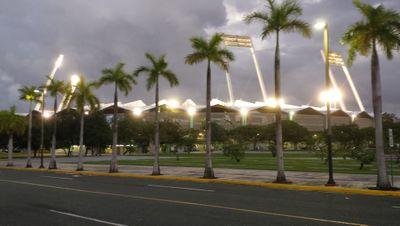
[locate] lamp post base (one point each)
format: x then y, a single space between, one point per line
331 183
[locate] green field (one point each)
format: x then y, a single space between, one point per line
300 161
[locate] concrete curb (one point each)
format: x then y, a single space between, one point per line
221 181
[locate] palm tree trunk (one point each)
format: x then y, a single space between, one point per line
114 164
383 179
53 164
29 160
208 171
156 165
10 149
280 177
80 158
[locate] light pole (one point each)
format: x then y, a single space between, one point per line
41 127
324 26
191 112
244 112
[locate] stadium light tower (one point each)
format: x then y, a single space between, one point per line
74 81
336 59
57 65
243 42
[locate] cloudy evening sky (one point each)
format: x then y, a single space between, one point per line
94 34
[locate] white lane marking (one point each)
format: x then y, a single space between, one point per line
61 178
396 207
180 188
267 213
87 218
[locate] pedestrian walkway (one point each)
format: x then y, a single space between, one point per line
300 178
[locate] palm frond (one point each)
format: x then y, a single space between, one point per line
256 16
171 77
296 25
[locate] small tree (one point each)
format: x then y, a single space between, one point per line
277 19
363 154
210 51
159 68
56 87
235 150
248 134
124 82
379 27
29 94
97 131
83 95
11 124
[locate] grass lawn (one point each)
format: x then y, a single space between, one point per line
301 161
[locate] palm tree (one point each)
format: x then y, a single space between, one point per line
211 51
11 124
159 67
380 27
56 87
122 81
29 94
83 95
279 18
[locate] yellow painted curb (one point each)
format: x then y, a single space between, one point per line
222 181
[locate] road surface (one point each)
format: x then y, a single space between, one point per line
40 198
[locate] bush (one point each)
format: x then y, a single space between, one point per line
364 155
234 150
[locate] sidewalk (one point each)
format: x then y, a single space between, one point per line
299 178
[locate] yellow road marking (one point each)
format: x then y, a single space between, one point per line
186 203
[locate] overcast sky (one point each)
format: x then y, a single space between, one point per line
94 34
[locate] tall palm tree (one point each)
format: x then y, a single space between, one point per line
283 17
158 67
29 94
83 95
56 87
379 27
11 124
210 51
122 81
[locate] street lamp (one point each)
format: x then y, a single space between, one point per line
319 26
41 91
191 111
244 112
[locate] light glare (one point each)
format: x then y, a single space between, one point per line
331 96
59 61
137 111
46 114
244 111
75 79
320 25
191 111
173 103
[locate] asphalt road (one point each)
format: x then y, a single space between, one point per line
39 198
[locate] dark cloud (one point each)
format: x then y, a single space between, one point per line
95 34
